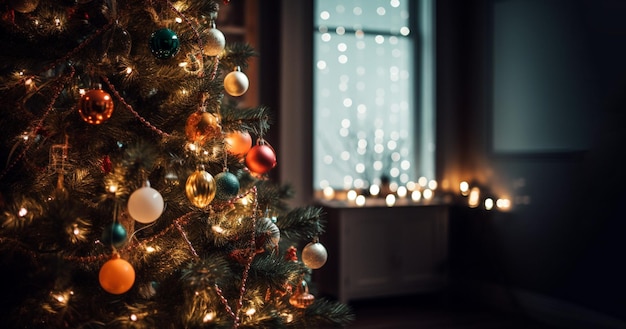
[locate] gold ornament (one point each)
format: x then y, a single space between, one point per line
202 126
200 188
302 298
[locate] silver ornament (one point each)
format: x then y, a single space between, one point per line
314 255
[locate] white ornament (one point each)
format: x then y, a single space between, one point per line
314 255
145 205
214 42
236 83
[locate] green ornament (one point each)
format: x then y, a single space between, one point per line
227 185
164 43
114 235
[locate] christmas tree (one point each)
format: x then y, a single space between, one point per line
135 190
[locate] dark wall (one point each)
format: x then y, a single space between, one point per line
531 106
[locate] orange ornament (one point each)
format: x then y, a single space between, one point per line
116 276
202 126
95 106
238 143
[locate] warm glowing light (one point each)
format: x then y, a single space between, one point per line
133 317
22 212
178 20
150 249
208 317
374 190
401 191
360 200
352 195
422 181
432 185
60 298
428 194
112 188
489 203
474 196
503 204
288 317
217 229
464 187
411 185
250 311
329 192
76 230
192 147
390 200
416 195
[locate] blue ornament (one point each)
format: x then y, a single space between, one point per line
114 235
227 185
164 43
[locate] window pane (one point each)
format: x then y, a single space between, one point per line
365 119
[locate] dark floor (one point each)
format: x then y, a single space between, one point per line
432 312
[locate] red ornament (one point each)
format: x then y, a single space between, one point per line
261 158
106 165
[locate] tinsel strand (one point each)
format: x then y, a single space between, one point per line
184 235
130 108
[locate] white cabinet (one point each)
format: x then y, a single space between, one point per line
383 251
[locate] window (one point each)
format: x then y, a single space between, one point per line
373 94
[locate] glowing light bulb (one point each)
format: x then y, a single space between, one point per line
390 200
464 188
360 200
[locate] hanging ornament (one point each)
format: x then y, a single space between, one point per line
291 254
24 6
116 43
236 83
302 298
114 235
164 43
214 41
200 188
238 143
202 126
116 276
146 204
261 158
95 106
269 234
314 255
227 186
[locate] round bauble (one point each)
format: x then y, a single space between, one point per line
145 205
236 83
114 235
238 143
24 6
200 188
314 255
95 106
261 158
116 276
214 42
164 43
269 234
227 186
202 126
